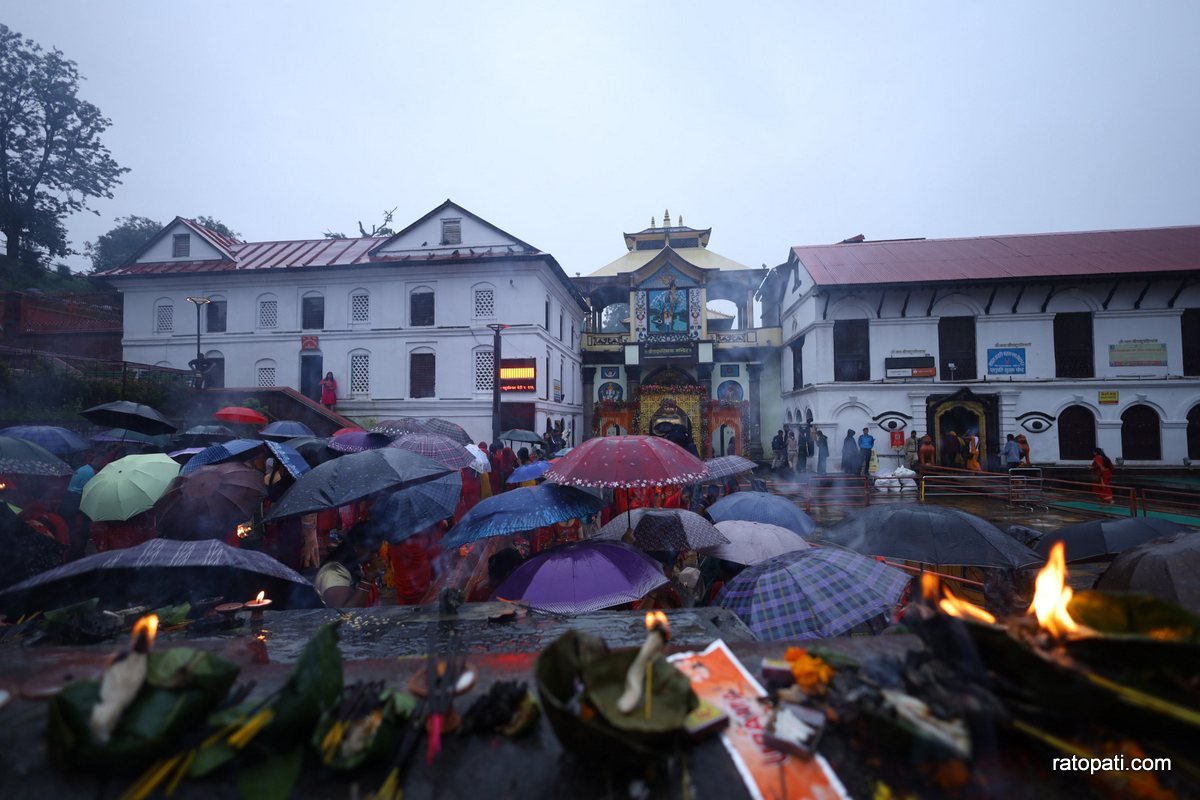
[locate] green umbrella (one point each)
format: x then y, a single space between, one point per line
127 486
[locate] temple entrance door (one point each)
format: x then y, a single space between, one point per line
311 374
963 413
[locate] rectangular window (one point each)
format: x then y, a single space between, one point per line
215 316
1190 323
851 350
485 370
268 313
798 364
560 327
360 308
452 231
422 373
1073 353
485 303
312 313
181 245
956 348
360 373
420 311
547 325
266 376
164 318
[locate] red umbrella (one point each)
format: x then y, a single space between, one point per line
352 429
241 414
629 461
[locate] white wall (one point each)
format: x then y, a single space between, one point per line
164 247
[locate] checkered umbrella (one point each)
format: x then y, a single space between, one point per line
59 441
441 449
160 572
727 467
401 514
444 427
582 577
21 457
220 453
812 594
664 529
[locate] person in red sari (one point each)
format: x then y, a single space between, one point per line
470 492
412 564
1103 467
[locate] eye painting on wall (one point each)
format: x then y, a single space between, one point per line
611 392
892 420
730 392
668 310
1035 421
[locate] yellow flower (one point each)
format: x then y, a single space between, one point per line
810 672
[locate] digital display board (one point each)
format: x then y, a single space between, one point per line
518 374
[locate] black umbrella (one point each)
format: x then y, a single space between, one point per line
1167 568
353 477
314 449
163 572
1097 539
930 535
664 529
26 552
401 514
130 415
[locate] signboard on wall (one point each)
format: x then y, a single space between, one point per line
1006 361
558 392
1109 398
1138 353
518 374
668 350
909 367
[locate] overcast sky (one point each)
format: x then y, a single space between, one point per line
568 123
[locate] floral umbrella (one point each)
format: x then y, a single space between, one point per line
21 457
627 461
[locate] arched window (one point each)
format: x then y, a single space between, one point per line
360 306
264 371
164 316
215 377
360 373
485 369
1193 432
483 298
267 315
420 307
312 311
1076 434
1140 437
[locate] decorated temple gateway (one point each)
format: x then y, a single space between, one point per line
673 345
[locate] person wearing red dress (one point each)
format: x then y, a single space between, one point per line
1103 467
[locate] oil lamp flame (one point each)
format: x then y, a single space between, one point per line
261 596
929 586
957 607
243 530
1052 595
147 626
658 620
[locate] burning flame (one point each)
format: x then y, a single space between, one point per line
658 620
261 596
957 607
243 530
3 485
929 586
1052 595
148 625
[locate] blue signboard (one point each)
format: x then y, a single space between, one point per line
1006 361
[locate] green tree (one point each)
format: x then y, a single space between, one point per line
214 224
382 229
51 158
115 248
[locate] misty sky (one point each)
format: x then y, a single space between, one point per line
569 123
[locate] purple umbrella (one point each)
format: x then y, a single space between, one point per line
57 440
583 577
357 441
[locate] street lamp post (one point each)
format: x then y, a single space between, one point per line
496 328
200 364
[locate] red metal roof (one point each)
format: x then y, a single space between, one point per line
1145 250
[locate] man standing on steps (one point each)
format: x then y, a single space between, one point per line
866 443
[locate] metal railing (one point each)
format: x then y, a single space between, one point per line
1168 501
1028 486
827 491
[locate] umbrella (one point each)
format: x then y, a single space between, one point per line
356 441
347 429
397 516
762 507
22 457
563 452
529 472
209 430
1168 568
353 477
59 441
481 462
26 551
209 502
187 451
285 429
727 467
129 415
444 427
754 542
441 449
522 509
291 460
815 593
627 461
582 577
670 529
127 486
162 572
521 435
125 436
218 453
399 426
314 449
930 535
1098 539
246 416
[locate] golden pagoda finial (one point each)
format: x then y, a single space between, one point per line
666 219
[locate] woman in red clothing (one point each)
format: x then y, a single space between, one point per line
328 390
1103 467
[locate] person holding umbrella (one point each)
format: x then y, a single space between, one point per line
347 580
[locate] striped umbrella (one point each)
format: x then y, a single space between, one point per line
727 467
816 593
441 449
57 440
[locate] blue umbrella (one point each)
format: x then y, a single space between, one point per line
529 472
59 441
762 507
522 510
124 435
401 514
222 452
290 458
563 452
285 429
